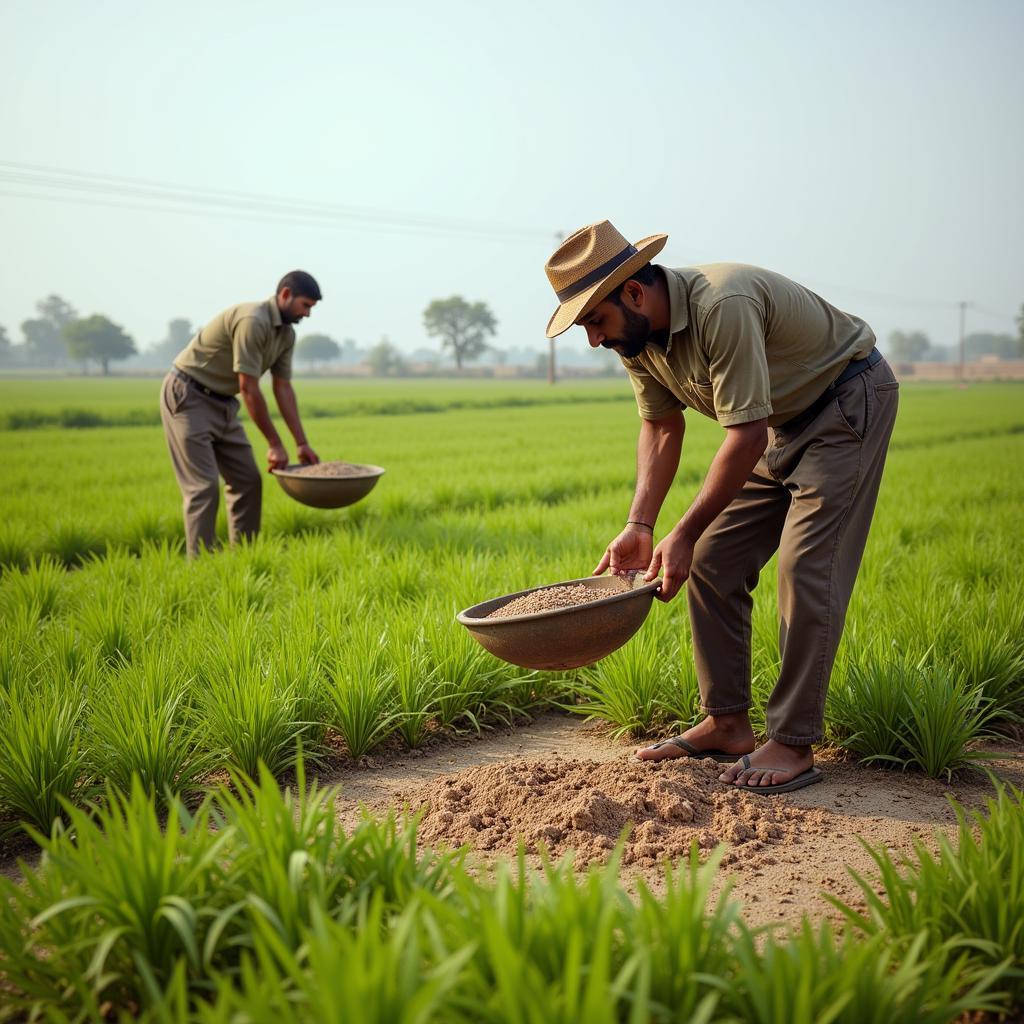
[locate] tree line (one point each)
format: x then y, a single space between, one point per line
57 336
917 347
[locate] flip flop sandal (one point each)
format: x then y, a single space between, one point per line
691 751
807 778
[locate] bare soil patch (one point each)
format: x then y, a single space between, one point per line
569 787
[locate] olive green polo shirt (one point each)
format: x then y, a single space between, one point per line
248 338
745 344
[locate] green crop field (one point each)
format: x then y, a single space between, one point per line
131 680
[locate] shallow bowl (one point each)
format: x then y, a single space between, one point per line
562 638
327 491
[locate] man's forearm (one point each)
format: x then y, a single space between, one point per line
729 471
256 406
657 459
284 394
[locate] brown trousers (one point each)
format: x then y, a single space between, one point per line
811 497
206 440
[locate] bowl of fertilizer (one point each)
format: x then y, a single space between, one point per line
328 484
562 625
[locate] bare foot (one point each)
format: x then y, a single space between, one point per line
770 765
729 734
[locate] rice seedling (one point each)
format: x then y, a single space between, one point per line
360 689
965 899
40 587
72 543
105 629
42 758
249 713
122 901
142 725
384 970
630 687
15 547
814 977
414 679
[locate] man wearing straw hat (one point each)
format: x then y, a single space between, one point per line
199 409
807 404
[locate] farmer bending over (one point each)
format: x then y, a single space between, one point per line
808 405
200 412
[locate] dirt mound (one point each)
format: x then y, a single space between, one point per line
565 804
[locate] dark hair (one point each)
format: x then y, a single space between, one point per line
300 283
646 275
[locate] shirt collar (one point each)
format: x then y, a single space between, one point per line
678 304
275 313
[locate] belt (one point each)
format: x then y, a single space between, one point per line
853 369
192 382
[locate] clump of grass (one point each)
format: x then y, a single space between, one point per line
361 690
40 588
966 900
911 716
42 757
73 543
15 547
250 713
629 688
142 725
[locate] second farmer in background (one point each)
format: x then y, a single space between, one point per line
199 409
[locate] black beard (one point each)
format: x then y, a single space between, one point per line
636 333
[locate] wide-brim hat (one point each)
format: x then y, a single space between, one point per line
591 263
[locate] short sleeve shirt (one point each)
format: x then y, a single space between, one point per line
745 344
248 338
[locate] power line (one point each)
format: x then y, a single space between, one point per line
63 185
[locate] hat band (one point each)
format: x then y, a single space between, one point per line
596 275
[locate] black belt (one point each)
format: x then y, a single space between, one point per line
853 369
192 382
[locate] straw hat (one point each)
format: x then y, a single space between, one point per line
591 263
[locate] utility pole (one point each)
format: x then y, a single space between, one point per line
961 370
552 377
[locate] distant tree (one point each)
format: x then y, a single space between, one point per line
1020 332
99 339
179 334
317 348
385 360
984 343
462 326
908 347
5 345
44 345
57 311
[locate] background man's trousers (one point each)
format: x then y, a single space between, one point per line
811 497
206 440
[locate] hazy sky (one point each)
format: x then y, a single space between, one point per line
872 150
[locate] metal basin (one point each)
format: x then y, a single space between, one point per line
327 491
562 638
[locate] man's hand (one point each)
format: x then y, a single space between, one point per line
630 550
672 557
277 457
306 455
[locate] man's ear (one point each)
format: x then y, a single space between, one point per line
285 295
633 294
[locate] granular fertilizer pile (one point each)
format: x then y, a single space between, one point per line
331 469
567 596
583 806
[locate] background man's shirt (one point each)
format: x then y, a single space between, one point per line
248 338
745 344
